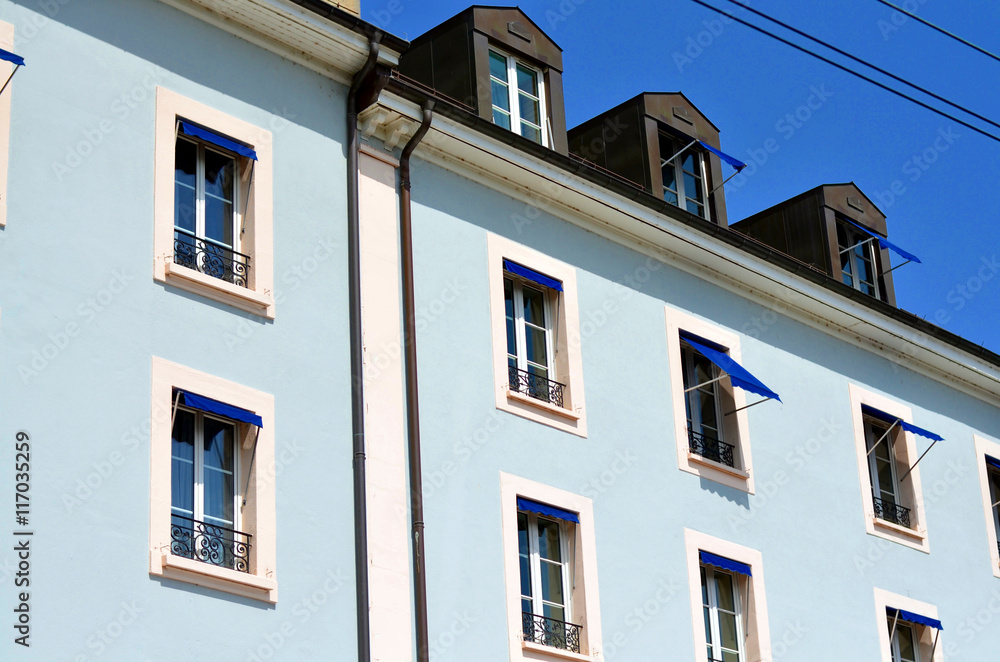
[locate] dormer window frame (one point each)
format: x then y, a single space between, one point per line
514 93
675 161
857 242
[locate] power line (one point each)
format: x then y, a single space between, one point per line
850 71
941 30
860 61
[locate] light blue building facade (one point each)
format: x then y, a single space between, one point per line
598 478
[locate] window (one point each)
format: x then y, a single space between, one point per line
728 602
880 440
684 178
703 403
889 475
538 371
708 388
518 97
909 630
212 230
204 493
212 501
857 259
550 566
988 454
207 204
546 578
723 615
528 317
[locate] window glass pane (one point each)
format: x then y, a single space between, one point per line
695 208
508 297
558 613
218 472
219 221
500 95
534 306
185 163
692 187
525 576
219 170
523 553
531 133
185 209
552 587
689 161
535 350
724 586
707 409
498 66
843 237
182 464
527 80
704 369
529 109
730 656
904 637
501 119
548 540
727 631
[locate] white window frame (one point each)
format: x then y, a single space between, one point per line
520 340
239 166
851 250
199 465
923 636
678 165
535 565
713 607
513 93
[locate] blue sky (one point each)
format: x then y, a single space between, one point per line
934 179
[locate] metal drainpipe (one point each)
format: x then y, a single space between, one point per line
412 398
357 356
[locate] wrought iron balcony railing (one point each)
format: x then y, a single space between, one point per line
711 448
211 259
535 386
209 543
891 512
551 632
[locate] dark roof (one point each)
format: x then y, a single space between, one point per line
636 99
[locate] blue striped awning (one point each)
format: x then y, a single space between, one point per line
218 140
11 57
885 243
532 275
909 427
529 506
911 617
738 375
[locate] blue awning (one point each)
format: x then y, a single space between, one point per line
738 375
529 506
220 141
909 427
885 243
208 405
11 57
726 564
993 462
736 163
532 275
910 617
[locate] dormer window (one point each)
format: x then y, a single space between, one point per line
517 92
684 177
857 259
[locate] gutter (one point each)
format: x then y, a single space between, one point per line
412 396
357 355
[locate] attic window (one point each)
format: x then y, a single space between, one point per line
518 92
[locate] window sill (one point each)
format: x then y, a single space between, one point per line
555 652
219 290
214 577
896 528
718 466
544 406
